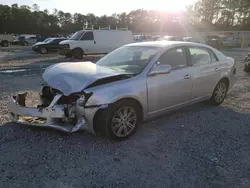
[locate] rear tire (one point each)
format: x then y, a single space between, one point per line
220 93
77 53
5 43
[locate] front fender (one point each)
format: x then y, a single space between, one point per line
112 92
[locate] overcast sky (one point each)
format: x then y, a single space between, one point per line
100 7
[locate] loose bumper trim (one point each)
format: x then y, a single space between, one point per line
48 115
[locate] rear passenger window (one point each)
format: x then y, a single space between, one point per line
199 56
176 58
88 36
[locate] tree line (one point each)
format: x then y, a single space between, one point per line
204 15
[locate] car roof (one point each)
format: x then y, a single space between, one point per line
164 44
56 38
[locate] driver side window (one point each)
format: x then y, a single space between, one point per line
88 36
175 57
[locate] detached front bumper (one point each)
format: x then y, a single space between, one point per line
44 116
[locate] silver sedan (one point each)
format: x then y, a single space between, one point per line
134 83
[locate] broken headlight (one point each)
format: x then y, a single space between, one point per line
81 101
83 98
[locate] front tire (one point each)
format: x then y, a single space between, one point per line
5 43
120 121
43 50
220 93
77 53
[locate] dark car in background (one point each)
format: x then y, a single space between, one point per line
156 37
214 41
48 45
141 38
19 41
25 40
170 38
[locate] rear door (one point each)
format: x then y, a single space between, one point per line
206 71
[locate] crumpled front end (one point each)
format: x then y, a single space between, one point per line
64 113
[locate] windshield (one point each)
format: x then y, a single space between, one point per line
77 35
128 59
47 40
21 38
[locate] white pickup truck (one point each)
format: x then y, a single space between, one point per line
6 39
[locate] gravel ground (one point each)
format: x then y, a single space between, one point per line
16 48
199 146
38 61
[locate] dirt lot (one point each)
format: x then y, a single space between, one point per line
199 146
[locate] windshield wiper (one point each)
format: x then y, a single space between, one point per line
130 75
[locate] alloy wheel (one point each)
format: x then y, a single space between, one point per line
220 92
124 121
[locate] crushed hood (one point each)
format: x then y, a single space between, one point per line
74 77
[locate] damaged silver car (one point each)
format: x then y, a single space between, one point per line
133 83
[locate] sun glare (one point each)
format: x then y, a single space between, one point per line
172 5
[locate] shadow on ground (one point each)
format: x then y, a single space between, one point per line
199 146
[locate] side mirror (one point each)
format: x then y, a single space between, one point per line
160 69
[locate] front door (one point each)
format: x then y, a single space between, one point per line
173 89
87 43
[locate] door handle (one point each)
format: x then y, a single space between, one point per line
216 69
94 42
187 76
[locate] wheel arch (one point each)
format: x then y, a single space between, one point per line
78 48
101 114
226 80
